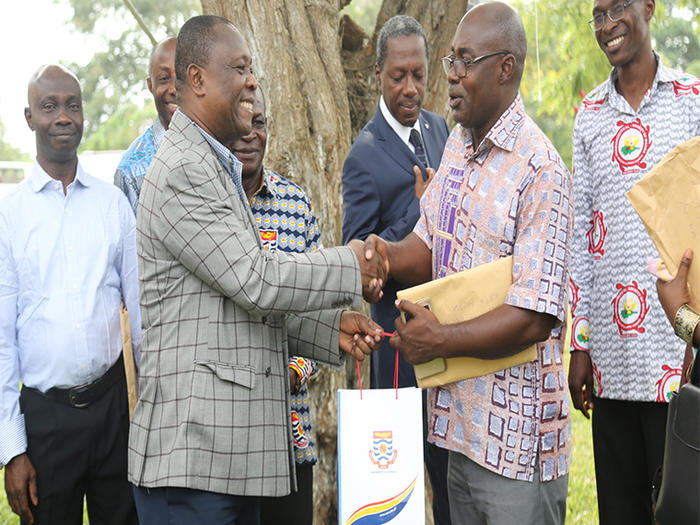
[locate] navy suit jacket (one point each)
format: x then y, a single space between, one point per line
378 197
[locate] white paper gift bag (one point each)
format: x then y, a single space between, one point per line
380 457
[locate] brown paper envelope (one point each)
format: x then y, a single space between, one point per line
460 297
667 200
132 384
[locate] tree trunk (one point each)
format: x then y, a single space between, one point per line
317 73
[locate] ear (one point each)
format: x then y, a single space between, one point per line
507 69
149 84
649 8
195 79
378 76
28 117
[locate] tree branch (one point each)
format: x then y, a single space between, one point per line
140 21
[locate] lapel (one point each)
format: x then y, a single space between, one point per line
201 148
392 144
433 148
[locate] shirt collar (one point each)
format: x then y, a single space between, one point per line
269 183
402 131
663 74
158 131
504 132
39 178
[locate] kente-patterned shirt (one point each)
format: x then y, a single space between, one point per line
512 196
617 314
136 160
286 222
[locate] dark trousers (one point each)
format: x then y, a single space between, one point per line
297 507
80 452
628 445
436 463
181 506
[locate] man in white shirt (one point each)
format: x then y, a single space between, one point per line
67 259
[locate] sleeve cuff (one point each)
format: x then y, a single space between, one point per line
13 439
303 368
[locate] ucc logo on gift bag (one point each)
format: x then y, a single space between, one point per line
380 457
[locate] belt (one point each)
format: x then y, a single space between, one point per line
82 395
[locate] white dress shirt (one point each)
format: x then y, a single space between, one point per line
402 131
65 262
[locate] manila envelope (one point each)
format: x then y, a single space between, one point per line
460 297
667 200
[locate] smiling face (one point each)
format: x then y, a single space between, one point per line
161 80
55 114
228 86
402 80
622 41
250 149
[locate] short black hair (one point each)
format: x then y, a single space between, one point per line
399 25
194 43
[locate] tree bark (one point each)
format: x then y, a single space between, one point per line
317 73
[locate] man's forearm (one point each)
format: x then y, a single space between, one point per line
410 260
499 333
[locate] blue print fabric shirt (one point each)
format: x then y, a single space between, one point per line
286 222
136 160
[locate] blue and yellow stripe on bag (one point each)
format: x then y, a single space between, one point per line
382 511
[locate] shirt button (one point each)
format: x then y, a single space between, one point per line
267 371
70 247
77 325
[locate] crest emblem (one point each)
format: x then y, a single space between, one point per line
596 235
630 145
383 454
668 384
629 309
592 105
580 334
573 296
269 239
300 438
686 86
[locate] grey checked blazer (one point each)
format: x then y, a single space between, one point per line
219 318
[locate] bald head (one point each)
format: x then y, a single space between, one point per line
161 79
55 114
501 28
45 74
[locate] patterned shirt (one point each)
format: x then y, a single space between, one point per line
136 160
617 315
509 197
286 222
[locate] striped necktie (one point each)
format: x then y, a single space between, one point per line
415 140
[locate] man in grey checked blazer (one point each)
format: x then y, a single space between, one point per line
220 314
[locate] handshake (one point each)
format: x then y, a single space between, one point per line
374 265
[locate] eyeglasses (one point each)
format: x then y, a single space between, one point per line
462 65
614 14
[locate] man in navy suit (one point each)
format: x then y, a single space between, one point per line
384 174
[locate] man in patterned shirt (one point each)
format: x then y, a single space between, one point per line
621 341
286 222
136 160
501 190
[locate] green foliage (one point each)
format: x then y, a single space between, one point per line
8 151
364 13
121 128
116 75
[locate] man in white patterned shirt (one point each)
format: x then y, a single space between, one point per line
621 341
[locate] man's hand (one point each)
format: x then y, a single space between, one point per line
374 270
293 381
420 336
421 185
581 381
674 294
359 335
20 481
